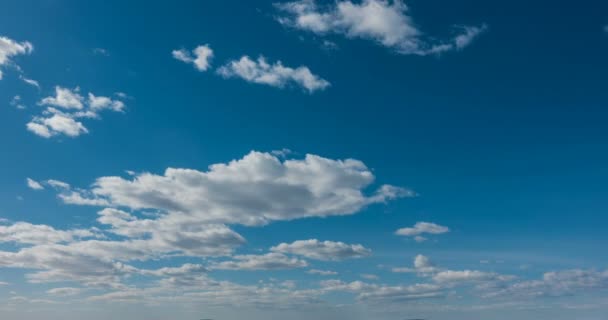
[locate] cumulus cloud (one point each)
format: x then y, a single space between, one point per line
269 261
56 124
33 184
323 250
10 48
422 266
65 108
65 98
387 23
421 228
200 57
254 190
275 74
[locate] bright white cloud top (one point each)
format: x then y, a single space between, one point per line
386 23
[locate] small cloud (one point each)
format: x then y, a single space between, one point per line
272 74
31 82
369 276
200 57
421 228
101 52
322 272
33 184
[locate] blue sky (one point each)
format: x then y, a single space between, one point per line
335 159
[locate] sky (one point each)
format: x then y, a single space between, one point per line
348 159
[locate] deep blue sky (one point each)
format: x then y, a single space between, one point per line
505 141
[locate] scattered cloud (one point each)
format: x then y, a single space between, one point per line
65 108
387 23
33 184
421 228
275 74
200 57
323 250
17 103
10 48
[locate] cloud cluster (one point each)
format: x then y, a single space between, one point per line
323 250
421 228
192 211
10 48
275 74
65 109
386 23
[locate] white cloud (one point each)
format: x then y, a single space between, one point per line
97 104
322 272
65 98
31 82
323 250
254 190
422 266
369 276
54 121
57 184
275 75
200 57
269 261
56 124
422 228
387 23
10 48
33 184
